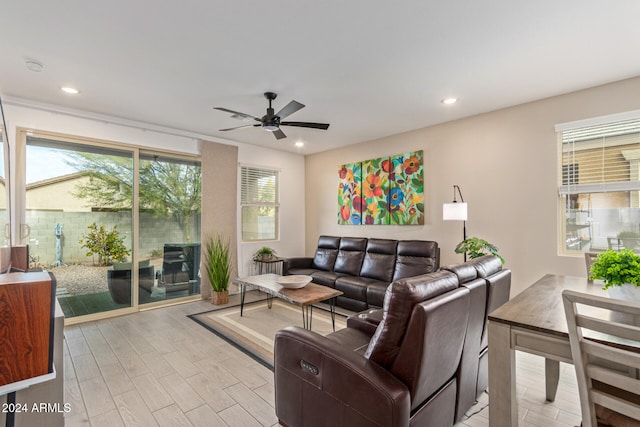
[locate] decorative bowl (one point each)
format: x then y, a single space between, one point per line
295 281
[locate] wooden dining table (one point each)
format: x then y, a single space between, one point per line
534 322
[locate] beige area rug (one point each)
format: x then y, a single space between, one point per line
255 331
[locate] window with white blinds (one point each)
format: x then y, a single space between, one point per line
601 158
599 185
259 203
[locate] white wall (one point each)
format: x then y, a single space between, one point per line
292 207
24 114
504 161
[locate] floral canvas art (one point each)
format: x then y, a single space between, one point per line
350 200
375 189
406 189
386 190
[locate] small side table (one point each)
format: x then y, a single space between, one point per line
269 265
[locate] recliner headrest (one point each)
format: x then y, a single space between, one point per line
486 265
466 272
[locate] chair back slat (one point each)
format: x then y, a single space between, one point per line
608 327
604 353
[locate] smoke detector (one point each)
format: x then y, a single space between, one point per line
34 65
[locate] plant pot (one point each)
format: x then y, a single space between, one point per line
626 292
219 298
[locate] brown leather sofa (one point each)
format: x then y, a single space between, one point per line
363 268
420 360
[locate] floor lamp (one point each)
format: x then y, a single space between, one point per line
456 211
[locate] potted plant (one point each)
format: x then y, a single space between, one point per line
475 247
264 253
217 259
617 270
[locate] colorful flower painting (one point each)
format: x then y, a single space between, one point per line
375 189
386 190
406 192
350 202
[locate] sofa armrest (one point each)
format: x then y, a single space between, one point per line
366 321
316 379
301 262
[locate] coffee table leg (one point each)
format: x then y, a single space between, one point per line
269 301
242 289
332 306
307 313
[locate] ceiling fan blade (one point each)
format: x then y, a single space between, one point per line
289 109
238 127
279 134
323 126
237 113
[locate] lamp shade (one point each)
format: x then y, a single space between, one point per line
454 211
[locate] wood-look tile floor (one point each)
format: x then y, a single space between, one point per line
160 368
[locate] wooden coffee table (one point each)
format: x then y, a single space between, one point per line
303 297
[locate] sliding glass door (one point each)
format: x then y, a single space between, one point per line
117 226
78 205
169 216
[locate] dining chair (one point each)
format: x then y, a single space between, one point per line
607 362
589 259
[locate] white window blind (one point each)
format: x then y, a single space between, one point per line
601 158
259 186
259 200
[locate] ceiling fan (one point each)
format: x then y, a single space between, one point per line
272 121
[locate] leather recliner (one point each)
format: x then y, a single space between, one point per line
405 374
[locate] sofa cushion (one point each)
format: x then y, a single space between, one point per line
351 304
350 255
304 271
326 253
353 287
326 278
415 257
399 300
376 292
379 259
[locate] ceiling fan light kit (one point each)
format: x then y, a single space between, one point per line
272 121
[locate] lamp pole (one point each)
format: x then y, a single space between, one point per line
464 221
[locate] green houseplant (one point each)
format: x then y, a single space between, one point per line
263 253
217 259
616 268
475 247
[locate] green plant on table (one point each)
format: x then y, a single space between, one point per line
217 258
616 268
475 247
264 252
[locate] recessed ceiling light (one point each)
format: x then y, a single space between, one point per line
449 101
70 90
299 144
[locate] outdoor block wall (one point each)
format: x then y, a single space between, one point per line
154 233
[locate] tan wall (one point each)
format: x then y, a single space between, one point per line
58 196
506 164
219 201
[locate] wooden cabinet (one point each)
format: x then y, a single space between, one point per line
26 326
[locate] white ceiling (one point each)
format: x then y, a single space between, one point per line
370 68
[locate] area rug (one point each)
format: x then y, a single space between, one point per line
254 332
